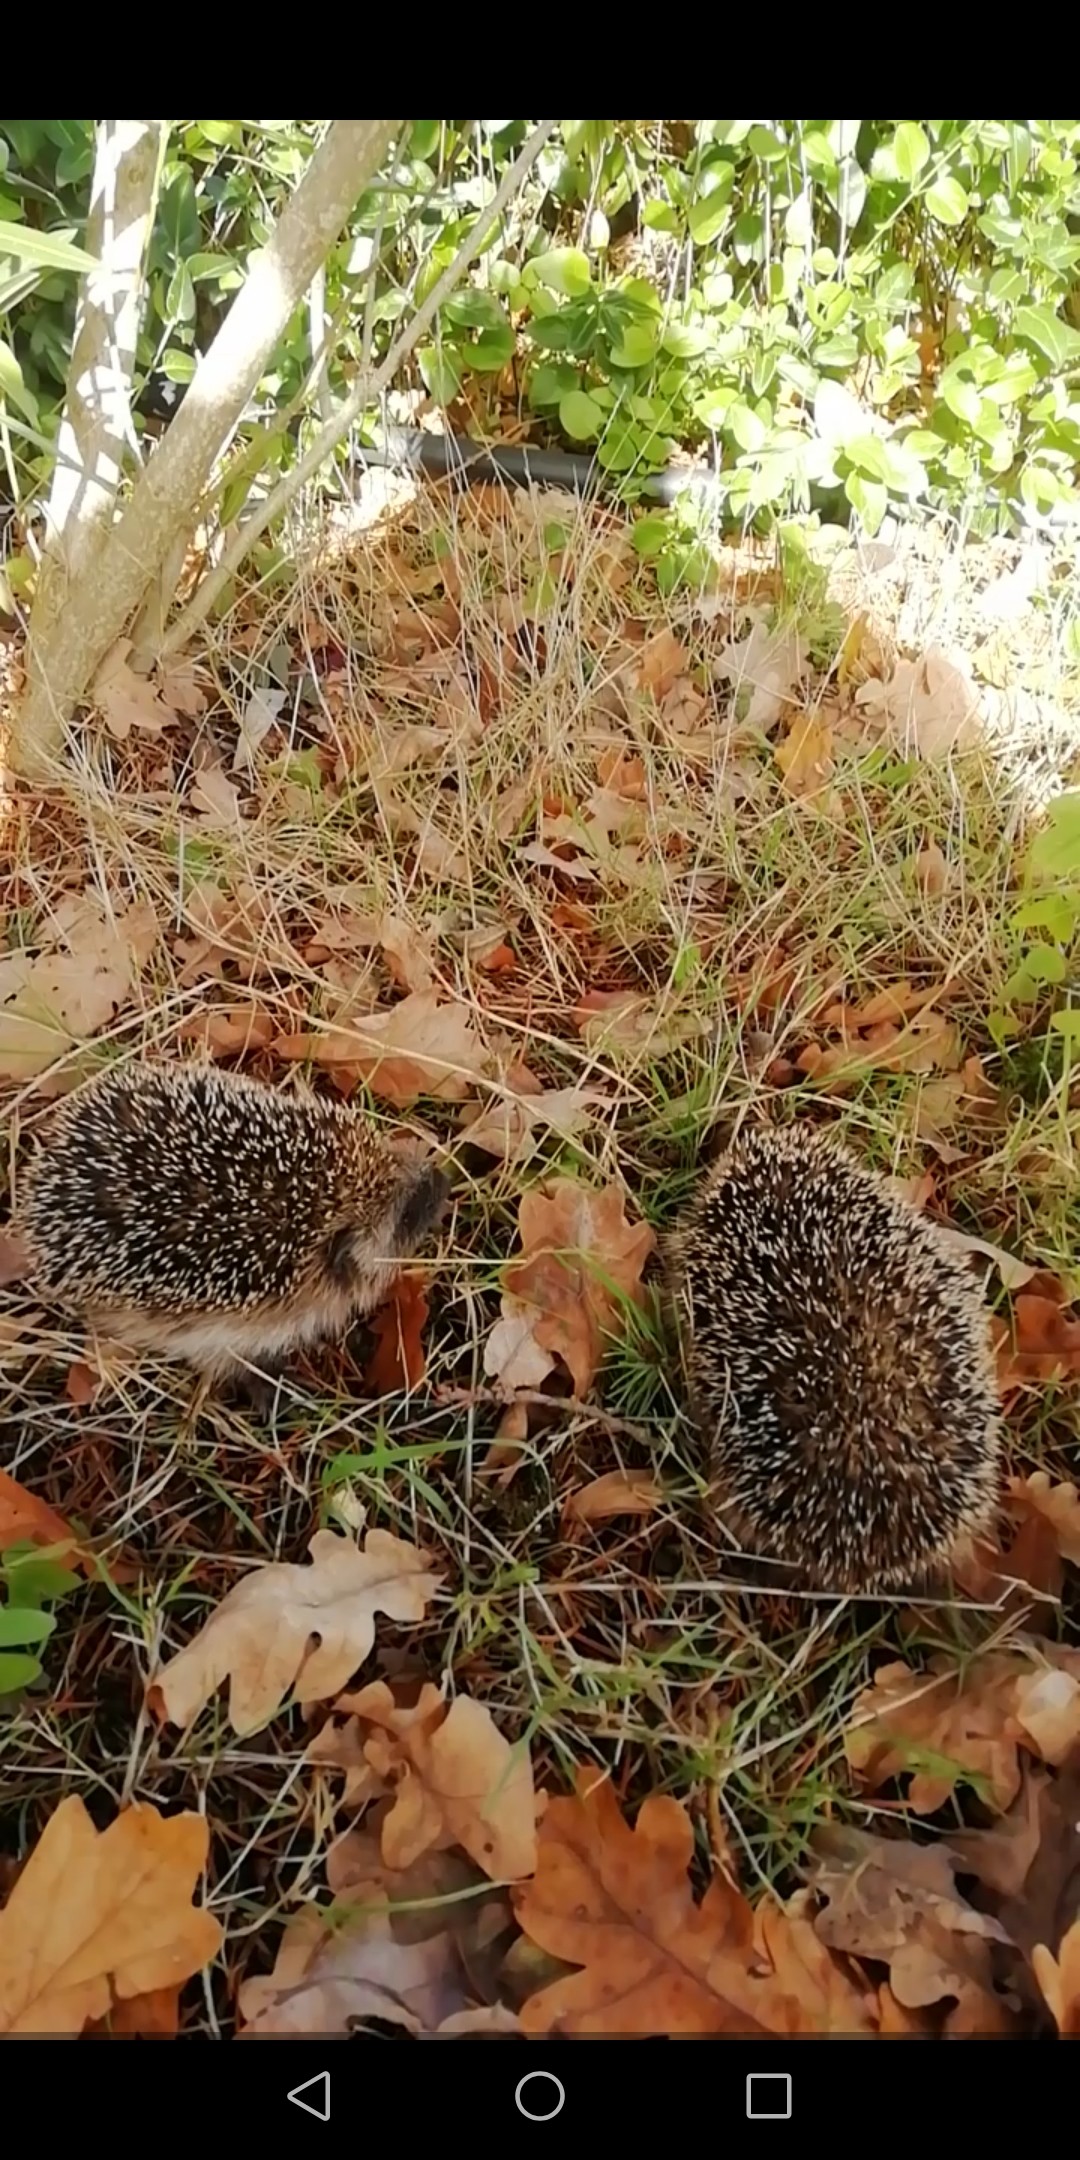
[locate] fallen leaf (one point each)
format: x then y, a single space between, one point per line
618 1903
1059 1979
215 799
580 1259
398 1361
260 714
619 1492
292 1625
623 774
511 1124
512 1354
772 662
1057 1505
892 1900
805 757
97 1916
419 1047
929 706
1044 1342
631 1020
181 689
945 1726
658 663
330 1977
24 1519
76 986
1014 1273
931 870
126 700
153 2016
455 1778
231 1030
82 1384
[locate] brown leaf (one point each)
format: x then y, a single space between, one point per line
659 662
512 1124
1059 1979
97 1916
287 1625
73 988
1056 1505
619 1492
580 1258
154 2016
619 1904
1014 1273
126 700
629 1020
81 1385
894 1901
456 1779
398 1362
944 1726
931 870
24 1519
329 1977
805 757
420 1047
215 799
770 663
929 706
1044 1343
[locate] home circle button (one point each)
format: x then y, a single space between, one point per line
539 2096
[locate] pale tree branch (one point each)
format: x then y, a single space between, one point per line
366 391
99 604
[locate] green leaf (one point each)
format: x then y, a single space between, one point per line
580 416
1043 328
637 346
685 341
838 416
947 201
34 1580
177 365
491 350
961 397
440 368
911 148
13 387
561 270
869 498
17 1671
1055 850
1056 913
551 381
22 1624
708 214
1067 1023
651 535
749 431
764 144
46 251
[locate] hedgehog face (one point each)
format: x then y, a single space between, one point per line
365 1256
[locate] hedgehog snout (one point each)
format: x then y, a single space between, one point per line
422 1203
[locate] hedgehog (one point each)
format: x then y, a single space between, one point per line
200 1215
839 1365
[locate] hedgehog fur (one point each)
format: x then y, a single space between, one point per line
198 1214
840 1367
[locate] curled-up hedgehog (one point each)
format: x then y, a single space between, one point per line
840 1367
200 1215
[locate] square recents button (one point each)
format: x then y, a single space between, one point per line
768 2096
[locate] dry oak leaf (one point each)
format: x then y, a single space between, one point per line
771 663
618 1492
1059 1979
291 1624
420 1047
1056 1505
399 1358
892 1900
328 1978
1044 1342
512 1124
580 1258
456 1779
155 2015
629 1020
619 1903
805 757
126 700
97 1916
67 993
930 706
945 1725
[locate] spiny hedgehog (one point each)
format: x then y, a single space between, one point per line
839 1362
200 1215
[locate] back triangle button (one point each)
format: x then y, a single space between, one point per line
319 2103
